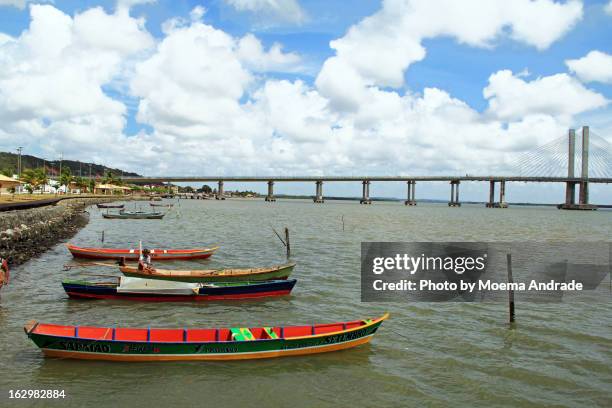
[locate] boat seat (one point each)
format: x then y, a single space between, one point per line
270 332
241 334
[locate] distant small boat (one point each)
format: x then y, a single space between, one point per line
110 205
161 205
228 343
211 275
155 198
133 254
135 215
151 290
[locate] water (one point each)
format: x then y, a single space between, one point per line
426 354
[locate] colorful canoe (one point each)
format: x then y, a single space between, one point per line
134 254
135 215
211 275
110 205
149 290
231 343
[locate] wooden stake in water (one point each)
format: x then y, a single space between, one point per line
287 244
510 290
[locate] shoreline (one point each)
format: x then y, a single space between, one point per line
27 233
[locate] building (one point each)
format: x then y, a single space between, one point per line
111 189
8 184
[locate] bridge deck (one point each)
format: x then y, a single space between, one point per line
526 179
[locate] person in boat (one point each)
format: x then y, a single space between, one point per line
145 260
4 272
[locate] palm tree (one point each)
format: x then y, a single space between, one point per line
66 177
43 179
28 176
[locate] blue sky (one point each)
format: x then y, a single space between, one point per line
442 90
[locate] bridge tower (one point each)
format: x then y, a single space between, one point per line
570 185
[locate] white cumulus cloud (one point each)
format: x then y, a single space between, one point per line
284 10
251 52
608 8
595 66
378 49
511 97
51 89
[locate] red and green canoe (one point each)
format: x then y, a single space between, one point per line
134 253
232 343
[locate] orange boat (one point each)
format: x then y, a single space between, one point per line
134 253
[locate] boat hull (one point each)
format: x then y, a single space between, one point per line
277 274
72 346
133 216
134 254
85 290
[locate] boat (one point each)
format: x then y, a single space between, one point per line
135 215
110 205
161 205
151 290
134 253
227 343
210 275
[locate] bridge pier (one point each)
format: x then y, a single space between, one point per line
491 203
318 198
365 198
454 198
410 196
270 196
220 194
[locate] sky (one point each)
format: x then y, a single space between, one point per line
298 87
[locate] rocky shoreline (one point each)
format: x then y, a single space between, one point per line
27 233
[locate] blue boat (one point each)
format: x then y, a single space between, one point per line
151 290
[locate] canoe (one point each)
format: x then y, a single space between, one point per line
134 254
135 215
211 275
110 205
227 343
161 205
150 290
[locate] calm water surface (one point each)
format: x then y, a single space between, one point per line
427 354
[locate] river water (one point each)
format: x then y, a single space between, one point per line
426 354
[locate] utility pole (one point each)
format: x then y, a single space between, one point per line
60 173
19 149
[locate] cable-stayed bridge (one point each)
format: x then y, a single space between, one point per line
554 162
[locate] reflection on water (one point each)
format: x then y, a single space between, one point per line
426 354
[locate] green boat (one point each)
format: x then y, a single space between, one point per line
225 343
210 275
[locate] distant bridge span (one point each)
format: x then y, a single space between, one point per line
187 179
537 163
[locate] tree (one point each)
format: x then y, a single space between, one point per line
66 177
206 189
92 185
80 183
34 179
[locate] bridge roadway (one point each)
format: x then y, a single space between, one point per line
526 179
